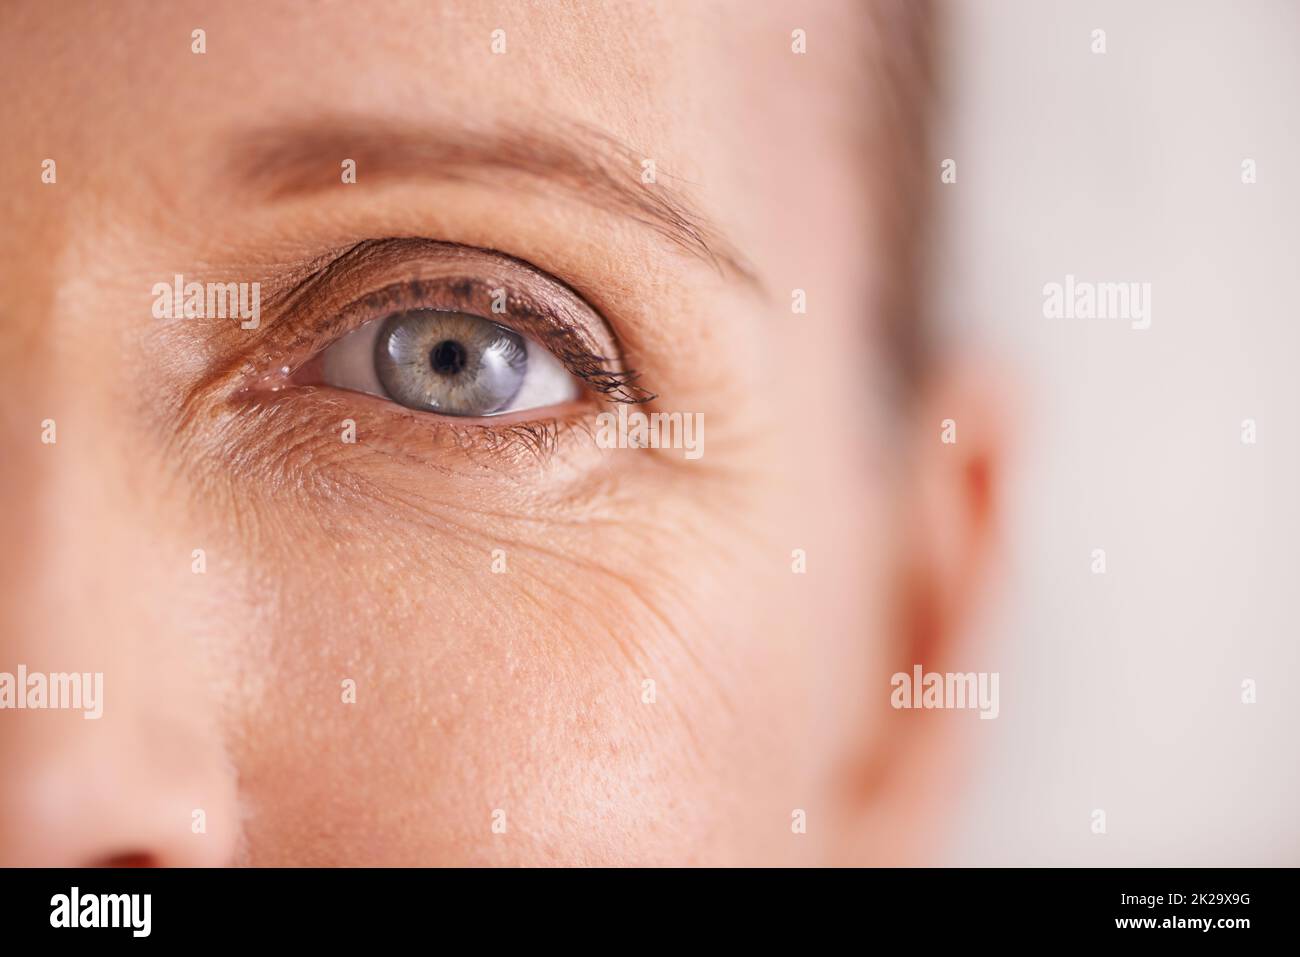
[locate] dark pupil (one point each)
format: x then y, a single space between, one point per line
448 357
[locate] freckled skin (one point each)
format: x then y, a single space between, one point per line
522 691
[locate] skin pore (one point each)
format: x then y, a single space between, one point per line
521 691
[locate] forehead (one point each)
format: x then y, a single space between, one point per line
651 73
711 91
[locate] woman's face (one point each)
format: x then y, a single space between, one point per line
349 629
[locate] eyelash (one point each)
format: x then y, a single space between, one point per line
456 291
465 294
277 420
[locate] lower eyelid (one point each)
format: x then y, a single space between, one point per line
300 430
308 379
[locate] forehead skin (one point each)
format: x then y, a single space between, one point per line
474 693
653 75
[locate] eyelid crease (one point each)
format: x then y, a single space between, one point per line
286 159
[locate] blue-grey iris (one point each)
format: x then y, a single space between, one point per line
449 362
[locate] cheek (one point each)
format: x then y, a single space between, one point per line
620 693
627 662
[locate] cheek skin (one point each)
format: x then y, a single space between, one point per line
475 691
521 691
524 691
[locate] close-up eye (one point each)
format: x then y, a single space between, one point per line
452 363
453 330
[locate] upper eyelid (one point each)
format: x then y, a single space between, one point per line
284 160
408 261
456 293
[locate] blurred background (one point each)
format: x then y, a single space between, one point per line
1123 691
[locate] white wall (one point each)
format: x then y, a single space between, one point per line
1123 691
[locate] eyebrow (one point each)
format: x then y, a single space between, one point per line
589 164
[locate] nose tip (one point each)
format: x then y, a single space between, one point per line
104 794
137 859
96 580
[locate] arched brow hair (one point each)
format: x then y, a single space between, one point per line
590 165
